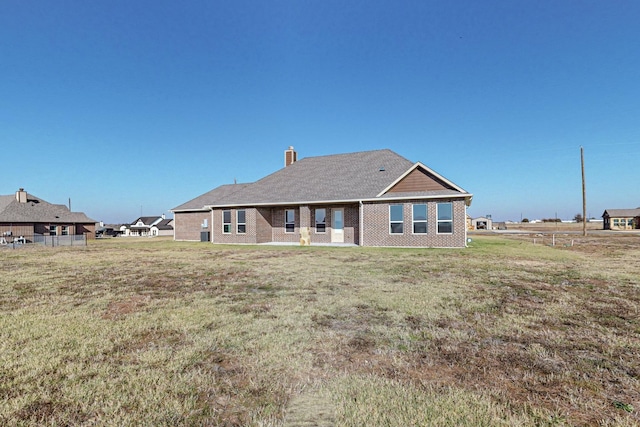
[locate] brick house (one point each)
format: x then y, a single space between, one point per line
148 226
26 215
621 219
370 198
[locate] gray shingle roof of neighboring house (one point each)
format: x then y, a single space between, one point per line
339 177
622 213
38 210
165 224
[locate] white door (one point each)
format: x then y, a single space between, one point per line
337 225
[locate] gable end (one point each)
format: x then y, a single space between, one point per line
420 180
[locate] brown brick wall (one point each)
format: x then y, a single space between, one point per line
377 233
263 225
188 225
28 230
250 235
278 233
17 230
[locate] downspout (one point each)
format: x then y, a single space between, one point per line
466 228
361 230
211 238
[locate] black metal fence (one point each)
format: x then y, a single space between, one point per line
43 240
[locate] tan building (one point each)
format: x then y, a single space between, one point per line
621 219
370 198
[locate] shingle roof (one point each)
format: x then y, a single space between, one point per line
338 177
165 224
209 198
622 213
38 210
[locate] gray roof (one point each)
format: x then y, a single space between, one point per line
209 198
339 177
165 224
38 210
622 213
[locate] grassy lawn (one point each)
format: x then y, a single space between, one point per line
155 332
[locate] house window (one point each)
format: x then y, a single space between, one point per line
241 220
419 219
226 222
321 220
396 216
289 220
53 230
445 218
65 230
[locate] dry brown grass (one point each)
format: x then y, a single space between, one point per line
163 333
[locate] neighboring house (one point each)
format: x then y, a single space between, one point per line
371 198
23 214
149 226
482 223
621 219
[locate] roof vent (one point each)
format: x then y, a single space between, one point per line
381 169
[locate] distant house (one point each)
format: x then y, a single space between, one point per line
23 214
370 198
621 219
148 226
482 223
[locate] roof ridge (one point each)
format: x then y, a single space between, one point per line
348 154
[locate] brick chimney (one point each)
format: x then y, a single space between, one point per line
21 196
290 156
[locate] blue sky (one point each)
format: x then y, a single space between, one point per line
131 107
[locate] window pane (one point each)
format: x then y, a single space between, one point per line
226 228
395 213
445 211
242 228
396 228
445 227
289 219
321 220
226 217
241 217
419 212
289 215
420 227
338 222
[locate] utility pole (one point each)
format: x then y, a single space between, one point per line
584 195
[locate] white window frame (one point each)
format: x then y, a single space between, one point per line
323 224
401 222
442 221
243 224
64 230
53 230
289 223
420 221
226 226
